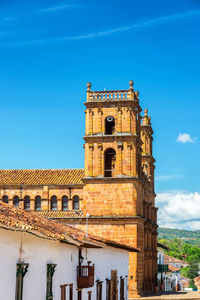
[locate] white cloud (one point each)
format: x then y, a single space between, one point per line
179 210
130 27
168 177
185 138
56 8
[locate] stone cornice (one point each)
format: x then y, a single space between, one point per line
126 137
113 103
148 157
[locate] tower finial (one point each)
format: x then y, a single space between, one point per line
89 86
146 111
131 84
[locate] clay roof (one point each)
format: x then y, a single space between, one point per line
163 246
197 279
41 177
169 259
16 219
173 269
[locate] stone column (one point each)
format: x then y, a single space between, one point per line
59 204
32 204
45 198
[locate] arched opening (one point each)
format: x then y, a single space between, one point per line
5 198
64 203
16 201
37 203
76 202
109 125
27 203
109 162
53 203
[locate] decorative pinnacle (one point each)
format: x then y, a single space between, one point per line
131 84
146 111
89 86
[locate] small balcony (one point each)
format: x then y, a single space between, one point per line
85 276
162 268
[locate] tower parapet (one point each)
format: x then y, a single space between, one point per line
129 94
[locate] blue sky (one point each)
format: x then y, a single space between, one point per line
50 49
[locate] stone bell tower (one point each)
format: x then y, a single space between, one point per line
118 183
112 137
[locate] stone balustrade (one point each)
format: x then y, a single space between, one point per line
106 95
112 95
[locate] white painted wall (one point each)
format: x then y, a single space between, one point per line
38 252
160 256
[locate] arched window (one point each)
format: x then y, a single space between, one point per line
37 203
27 202
64 203
109 162
5 198
16 201
76 202
109 125
53 203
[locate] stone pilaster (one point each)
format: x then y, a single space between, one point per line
90 122
119 158
100 113
119 120
90 165
100 161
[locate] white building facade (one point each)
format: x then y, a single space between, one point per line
36 268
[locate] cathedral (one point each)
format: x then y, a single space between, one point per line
113 196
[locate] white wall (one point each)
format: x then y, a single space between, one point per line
38 252
160 256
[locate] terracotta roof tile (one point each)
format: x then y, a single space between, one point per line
169 259
173 269
197 279
14 218
41 177
161 245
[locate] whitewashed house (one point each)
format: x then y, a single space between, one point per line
42 259
169 277
162 267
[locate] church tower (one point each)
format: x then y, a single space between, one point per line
118 191
112 137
